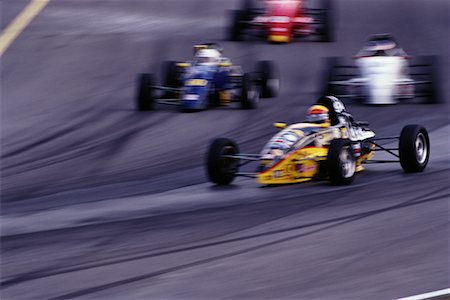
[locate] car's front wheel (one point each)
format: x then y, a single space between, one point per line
341 162
144 97
414 148
221 169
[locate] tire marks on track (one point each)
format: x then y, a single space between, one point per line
100 145
438 194
331 223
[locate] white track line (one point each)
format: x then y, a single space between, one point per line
429 295
13 30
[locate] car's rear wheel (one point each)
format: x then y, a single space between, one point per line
269 79
341 162
222 170
337 69
326 29
236 29
249 92
144 97
426 69
414 148
247 5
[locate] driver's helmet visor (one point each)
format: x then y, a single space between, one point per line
317 118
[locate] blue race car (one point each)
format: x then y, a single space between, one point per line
211 80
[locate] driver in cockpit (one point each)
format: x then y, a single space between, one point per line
318 114
210 57
207 57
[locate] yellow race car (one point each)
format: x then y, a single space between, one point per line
334 150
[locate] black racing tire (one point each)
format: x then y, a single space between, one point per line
247 5
337 69
341 162
435 96
328 72
414 148
145 97
326 30
426 68
171 74
269 78
236 27
220 170
249 92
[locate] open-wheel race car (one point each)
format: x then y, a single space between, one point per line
335 150
210 80
382 73
280 21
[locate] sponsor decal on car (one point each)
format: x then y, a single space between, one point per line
277 174
279 29
191 97
357 149
301 168
196 82
344 133
279 19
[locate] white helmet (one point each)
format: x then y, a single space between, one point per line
207 57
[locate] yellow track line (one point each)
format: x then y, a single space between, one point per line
20 22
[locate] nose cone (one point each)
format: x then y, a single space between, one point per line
381 74
381 91
280 17
279 32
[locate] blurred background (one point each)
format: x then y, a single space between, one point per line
101 201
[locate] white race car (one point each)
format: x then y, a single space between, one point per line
382 73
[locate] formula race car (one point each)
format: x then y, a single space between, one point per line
210 80
281 20
335 150
382 73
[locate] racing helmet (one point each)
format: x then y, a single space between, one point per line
207 57
318 114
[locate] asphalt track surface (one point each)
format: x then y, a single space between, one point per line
102 202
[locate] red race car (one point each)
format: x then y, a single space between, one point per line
281 20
